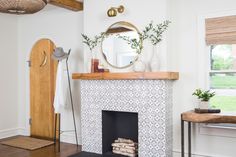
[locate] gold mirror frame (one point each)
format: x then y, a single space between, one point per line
125 23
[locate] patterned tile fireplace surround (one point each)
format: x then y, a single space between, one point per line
151 99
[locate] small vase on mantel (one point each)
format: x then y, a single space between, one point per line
139 65
94 62
155 60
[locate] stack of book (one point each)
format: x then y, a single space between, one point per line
198 110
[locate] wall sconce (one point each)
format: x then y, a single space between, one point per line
112 12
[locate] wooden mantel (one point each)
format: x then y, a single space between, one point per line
127 76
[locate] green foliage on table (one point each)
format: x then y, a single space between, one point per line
203 95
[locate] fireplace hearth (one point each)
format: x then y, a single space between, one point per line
116 127
88 154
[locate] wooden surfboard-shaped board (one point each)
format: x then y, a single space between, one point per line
42 89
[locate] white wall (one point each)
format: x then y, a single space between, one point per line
184 46
140 13
9 75
64 28
182 51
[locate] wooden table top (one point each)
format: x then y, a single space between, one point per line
224 117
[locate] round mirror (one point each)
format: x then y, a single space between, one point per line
121 45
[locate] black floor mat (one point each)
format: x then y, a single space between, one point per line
87 154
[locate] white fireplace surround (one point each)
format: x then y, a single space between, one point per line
151 99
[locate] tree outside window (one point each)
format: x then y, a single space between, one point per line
223 76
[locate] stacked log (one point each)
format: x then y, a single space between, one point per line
125 147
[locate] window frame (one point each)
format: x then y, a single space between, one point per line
207 86
217 72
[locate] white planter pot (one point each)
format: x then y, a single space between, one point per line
204 104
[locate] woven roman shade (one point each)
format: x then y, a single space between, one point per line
221 30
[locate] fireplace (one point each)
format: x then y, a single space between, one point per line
118 125
147 102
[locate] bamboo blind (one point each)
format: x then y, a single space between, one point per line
221 30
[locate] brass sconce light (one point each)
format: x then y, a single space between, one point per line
112 12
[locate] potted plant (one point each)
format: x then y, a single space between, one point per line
154 34
204 97
137 45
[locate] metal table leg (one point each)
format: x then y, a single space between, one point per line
189 139
182 138
55 130
59 135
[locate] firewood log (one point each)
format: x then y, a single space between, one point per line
125 154
123 140
124 144
125 150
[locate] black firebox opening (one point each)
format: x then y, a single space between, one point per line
118 125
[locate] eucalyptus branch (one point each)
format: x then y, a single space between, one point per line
134 43
154 32
145 33
92 42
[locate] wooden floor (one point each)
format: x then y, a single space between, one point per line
50 151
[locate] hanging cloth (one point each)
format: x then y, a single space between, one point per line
61 92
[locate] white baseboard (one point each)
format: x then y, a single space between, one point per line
11 132
177 153
70 138
24 132
65 137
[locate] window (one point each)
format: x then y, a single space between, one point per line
220 39
222 76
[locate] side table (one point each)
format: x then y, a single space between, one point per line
192 117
